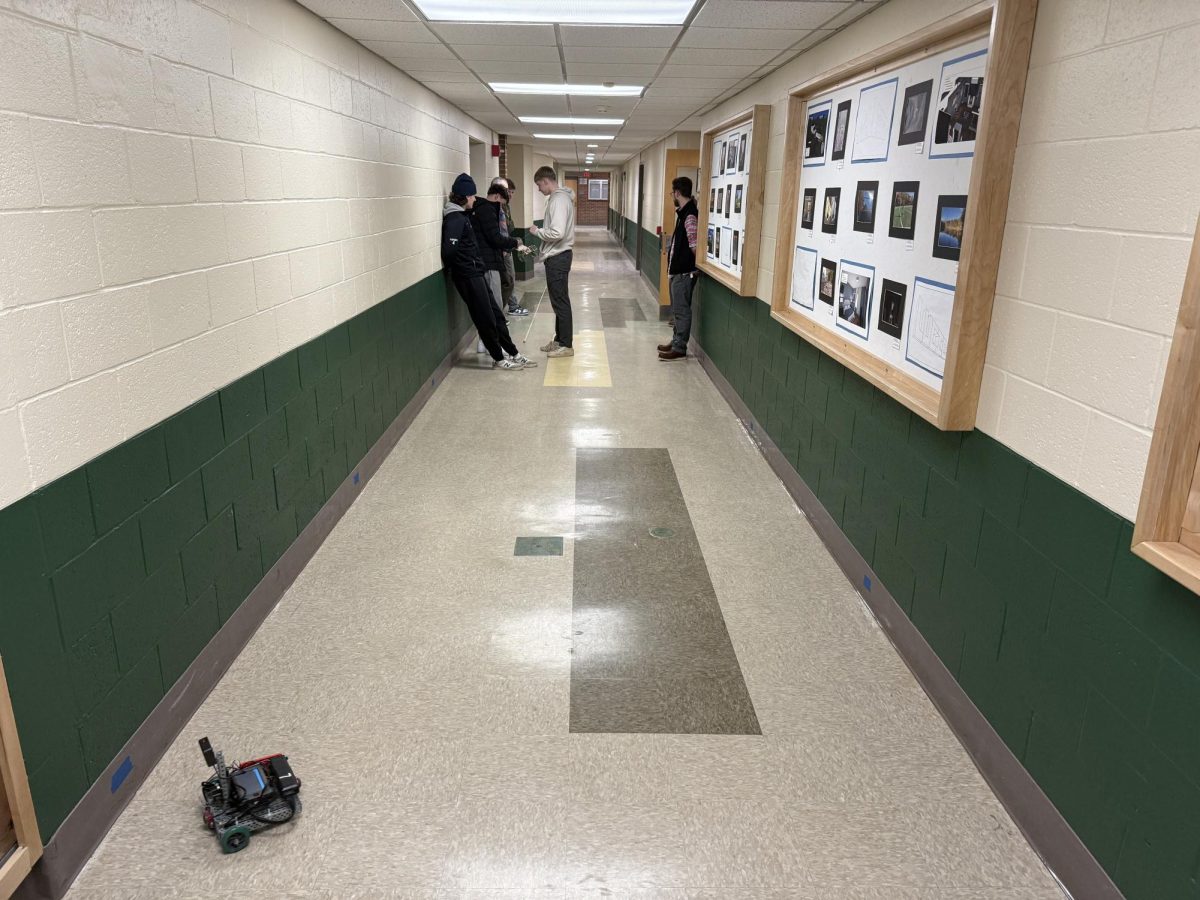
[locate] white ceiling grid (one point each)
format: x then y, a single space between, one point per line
722 48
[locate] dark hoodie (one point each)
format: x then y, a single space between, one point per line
460 252
492 241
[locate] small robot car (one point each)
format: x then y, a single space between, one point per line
247 797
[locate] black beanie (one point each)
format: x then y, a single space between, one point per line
464 186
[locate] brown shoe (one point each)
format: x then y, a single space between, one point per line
663 348
672 354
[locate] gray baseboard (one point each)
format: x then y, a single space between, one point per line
81 833
1047 831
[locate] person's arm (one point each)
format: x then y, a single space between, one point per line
552 227
690 224
489 226
452 232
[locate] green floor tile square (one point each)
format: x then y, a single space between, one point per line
539 546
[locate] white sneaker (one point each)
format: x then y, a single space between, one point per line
523 360
507 364
546 348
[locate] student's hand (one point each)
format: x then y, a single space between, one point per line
533 229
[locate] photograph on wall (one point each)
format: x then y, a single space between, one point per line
737 200
865 196
815 133
728 200
949 225
959 104
731 156
914 115
873 125
828 283
720 200
804 278
808 208
854 298
829 214
712 200
726 245
718 158
929 325
841 127
736 240
711 229
892 295
902 222
742 153
717 245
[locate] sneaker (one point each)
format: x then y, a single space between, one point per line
479 348
559 352
546 348
507 364
518 311
523 360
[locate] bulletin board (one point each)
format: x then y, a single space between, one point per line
896 181
730 198
20 842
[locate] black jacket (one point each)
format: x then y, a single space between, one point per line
682 258
492 241
460 252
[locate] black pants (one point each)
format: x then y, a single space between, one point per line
558 269
486 317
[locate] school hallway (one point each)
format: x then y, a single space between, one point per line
690 701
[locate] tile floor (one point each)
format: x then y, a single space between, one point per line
418 675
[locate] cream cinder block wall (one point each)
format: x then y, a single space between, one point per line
187 190
654 158
1101 216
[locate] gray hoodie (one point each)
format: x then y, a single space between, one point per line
557 234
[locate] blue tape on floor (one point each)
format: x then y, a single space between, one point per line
121 774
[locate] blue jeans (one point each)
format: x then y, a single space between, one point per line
682 287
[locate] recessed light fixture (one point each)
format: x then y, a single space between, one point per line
590 146
612 12
568 120
574 137
578 90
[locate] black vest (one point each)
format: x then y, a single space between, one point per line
683 258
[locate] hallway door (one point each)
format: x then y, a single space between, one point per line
641 199
680 163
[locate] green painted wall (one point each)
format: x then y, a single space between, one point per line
651 261
1084 659
114 577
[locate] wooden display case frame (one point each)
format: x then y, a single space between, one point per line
1167 531
745 284
1009 25
18 824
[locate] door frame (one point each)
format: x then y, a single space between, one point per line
641 198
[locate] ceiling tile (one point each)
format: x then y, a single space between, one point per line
390 49
727 57
381 30
747 38
857 11
707 73
615 55
622 36
430 76
361 9
774 14
517 52
427 66
630 73
494 33
523 105
517 70
693 85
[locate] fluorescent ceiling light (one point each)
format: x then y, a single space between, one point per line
576 90
574 137
556 12
569 120
593 145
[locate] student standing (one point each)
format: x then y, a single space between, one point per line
681 268
460 256
508 275
557 235
494 242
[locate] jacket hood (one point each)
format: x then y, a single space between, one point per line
452 208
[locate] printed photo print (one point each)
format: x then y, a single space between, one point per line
914 115
718 158
829 215
711 251
949 226
902 223
712 200
891 307
815 133
854 298
958 112
864 206
732 156
736 238
728 200
737 200
720 200
827 285
742 153
717 245
808 208
841 128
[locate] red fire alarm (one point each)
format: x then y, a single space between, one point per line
496 150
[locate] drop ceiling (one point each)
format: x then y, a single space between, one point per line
721 48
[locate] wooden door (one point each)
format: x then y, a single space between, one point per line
679 163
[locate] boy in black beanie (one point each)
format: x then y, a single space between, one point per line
460 256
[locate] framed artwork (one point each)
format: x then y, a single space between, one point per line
902 220
892 295
914 113
959 105
731 157
929 325
711 229
865 196
736 236
808 209
742 153
718 158
828 284
829 214
737 200
717 246
728 200
712 199
873 125
855 281
949 226
727 246
804 278
815 133
720 200
841 129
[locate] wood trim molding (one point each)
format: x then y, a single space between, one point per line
14 785
1009 25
